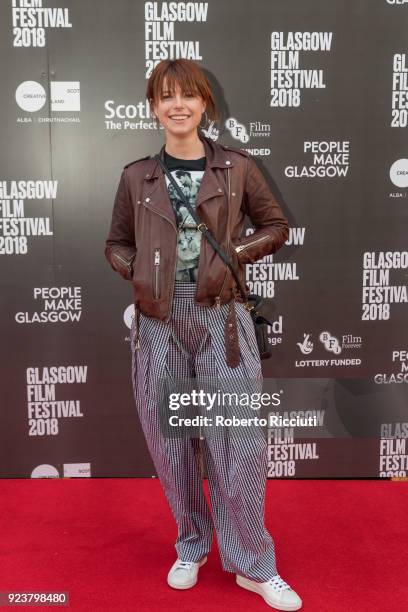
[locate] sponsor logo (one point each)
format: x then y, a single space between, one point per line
65 96
77 470
45 471
399 173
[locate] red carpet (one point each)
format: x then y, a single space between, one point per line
342 545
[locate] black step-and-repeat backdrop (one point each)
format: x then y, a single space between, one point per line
317 92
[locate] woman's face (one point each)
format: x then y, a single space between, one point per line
179 113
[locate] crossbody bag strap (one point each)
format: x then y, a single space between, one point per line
204 229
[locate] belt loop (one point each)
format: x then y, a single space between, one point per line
232 351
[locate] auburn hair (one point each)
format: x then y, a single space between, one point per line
188 76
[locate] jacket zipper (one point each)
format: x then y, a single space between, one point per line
127 262
241 247
175 259
156 272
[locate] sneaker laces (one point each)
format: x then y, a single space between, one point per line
278 583
185 565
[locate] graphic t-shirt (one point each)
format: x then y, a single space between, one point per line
188 174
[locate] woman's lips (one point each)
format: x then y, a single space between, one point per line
179 119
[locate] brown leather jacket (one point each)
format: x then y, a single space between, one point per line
142 241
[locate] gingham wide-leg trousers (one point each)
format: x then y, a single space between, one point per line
192 344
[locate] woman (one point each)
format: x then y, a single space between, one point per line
190 323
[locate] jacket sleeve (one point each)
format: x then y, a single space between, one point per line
271 226
120 247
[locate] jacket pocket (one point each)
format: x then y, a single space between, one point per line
243 247
156 274
125 265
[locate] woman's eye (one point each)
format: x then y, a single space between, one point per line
187 95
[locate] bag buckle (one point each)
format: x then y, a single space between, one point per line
202 227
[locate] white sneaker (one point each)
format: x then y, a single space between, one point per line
276 592
183 574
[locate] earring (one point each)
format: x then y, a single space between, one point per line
206 121
154 121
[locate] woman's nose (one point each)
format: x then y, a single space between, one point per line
178 100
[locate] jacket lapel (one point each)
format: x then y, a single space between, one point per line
211 186
156 194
